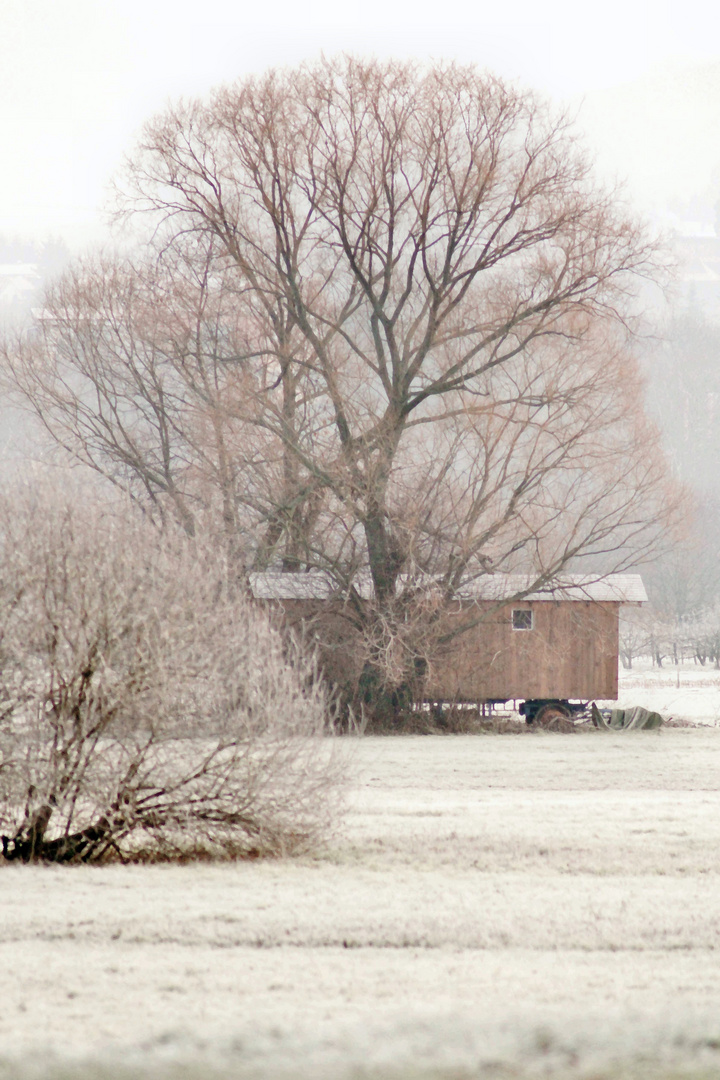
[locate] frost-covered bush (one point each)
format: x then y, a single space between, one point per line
147 710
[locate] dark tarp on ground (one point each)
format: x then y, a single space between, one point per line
626 719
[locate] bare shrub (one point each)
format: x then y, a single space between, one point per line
147 710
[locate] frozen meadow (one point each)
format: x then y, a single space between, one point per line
506 906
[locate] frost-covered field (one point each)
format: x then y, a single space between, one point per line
690 691
496 906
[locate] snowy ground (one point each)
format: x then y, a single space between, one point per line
690 691
497 906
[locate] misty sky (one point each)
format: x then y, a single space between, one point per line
78 78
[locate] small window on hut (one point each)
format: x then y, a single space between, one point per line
522 618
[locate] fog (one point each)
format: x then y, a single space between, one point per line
78 79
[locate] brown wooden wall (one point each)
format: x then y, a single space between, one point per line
571 652
331 629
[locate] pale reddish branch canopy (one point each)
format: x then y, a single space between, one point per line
419 240
131 368
408 347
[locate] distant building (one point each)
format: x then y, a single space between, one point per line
699 257
19 284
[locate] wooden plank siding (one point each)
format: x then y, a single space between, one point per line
571 651
327 626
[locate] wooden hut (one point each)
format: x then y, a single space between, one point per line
553 646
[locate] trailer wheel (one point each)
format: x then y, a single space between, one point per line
553 717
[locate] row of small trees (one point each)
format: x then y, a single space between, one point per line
650 634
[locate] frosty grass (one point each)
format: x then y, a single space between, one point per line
494 906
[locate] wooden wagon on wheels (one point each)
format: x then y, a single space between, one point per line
551 652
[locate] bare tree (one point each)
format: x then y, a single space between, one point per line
422 318
418 230
146 711
703 635
638 629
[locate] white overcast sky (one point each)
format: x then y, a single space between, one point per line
78 78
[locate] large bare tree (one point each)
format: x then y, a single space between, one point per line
421 246
385 324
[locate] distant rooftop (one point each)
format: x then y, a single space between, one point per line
19 270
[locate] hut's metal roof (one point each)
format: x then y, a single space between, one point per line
313 585
316 585
618 588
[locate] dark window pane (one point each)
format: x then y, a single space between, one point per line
522 619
